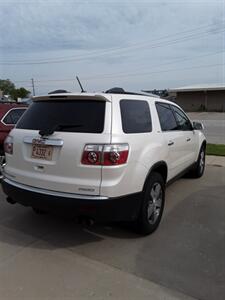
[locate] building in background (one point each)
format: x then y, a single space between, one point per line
205 97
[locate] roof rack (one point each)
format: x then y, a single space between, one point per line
118 90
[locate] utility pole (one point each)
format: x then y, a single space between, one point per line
32 81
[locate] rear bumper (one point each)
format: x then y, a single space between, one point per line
125 208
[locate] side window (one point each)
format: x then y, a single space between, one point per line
182 120
135 115
166 117
13 116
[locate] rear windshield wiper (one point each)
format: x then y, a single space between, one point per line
50 131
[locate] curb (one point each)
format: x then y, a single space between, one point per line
213 160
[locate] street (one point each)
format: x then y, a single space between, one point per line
52 257
214 124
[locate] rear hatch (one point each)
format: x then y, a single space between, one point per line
49 140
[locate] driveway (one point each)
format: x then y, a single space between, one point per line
51 257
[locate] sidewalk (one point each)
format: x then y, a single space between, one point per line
215 160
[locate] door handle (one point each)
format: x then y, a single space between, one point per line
170 143
188 139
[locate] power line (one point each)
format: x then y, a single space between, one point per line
118 52
151 73
144 73
137 43
123 73
156 72
160 65
125 48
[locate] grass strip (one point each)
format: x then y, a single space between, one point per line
215 149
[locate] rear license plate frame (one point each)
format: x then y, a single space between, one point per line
43 152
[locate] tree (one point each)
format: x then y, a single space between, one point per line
8 88
20 93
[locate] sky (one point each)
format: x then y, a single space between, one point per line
137 45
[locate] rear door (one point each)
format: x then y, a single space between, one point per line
49 141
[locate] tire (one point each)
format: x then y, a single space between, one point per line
152 205
199 169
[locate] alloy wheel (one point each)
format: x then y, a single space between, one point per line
155 203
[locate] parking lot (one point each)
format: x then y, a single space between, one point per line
52 257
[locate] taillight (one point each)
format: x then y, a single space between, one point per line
8 145
105 155
115 154
92 155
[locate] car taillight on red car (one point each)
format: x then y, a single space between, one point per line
8 145
105 155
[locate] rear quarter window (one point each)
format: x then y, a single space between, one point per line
135 116
66 115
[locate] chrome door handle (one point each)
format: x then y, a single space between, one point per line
170 143
188 139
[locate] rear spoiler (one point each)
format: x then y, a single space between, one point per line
84 97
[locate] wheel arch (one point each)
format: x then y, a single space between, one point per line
159 167
203 144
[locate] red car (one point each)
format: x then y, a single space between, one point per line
10 113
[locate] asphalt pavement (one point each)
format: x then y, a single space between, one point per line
214 124
52 257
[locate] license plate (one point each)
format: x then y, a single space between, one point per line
42 152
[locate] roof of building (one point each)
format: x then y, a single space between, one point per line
199 87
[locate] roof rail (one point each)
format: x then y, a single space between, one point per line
118 90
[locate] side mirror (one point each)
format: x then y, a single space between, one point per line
198 126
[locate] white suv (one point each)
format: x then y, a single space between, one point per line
104 156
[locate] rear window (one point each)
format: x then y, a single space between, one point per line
135 116
68 116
